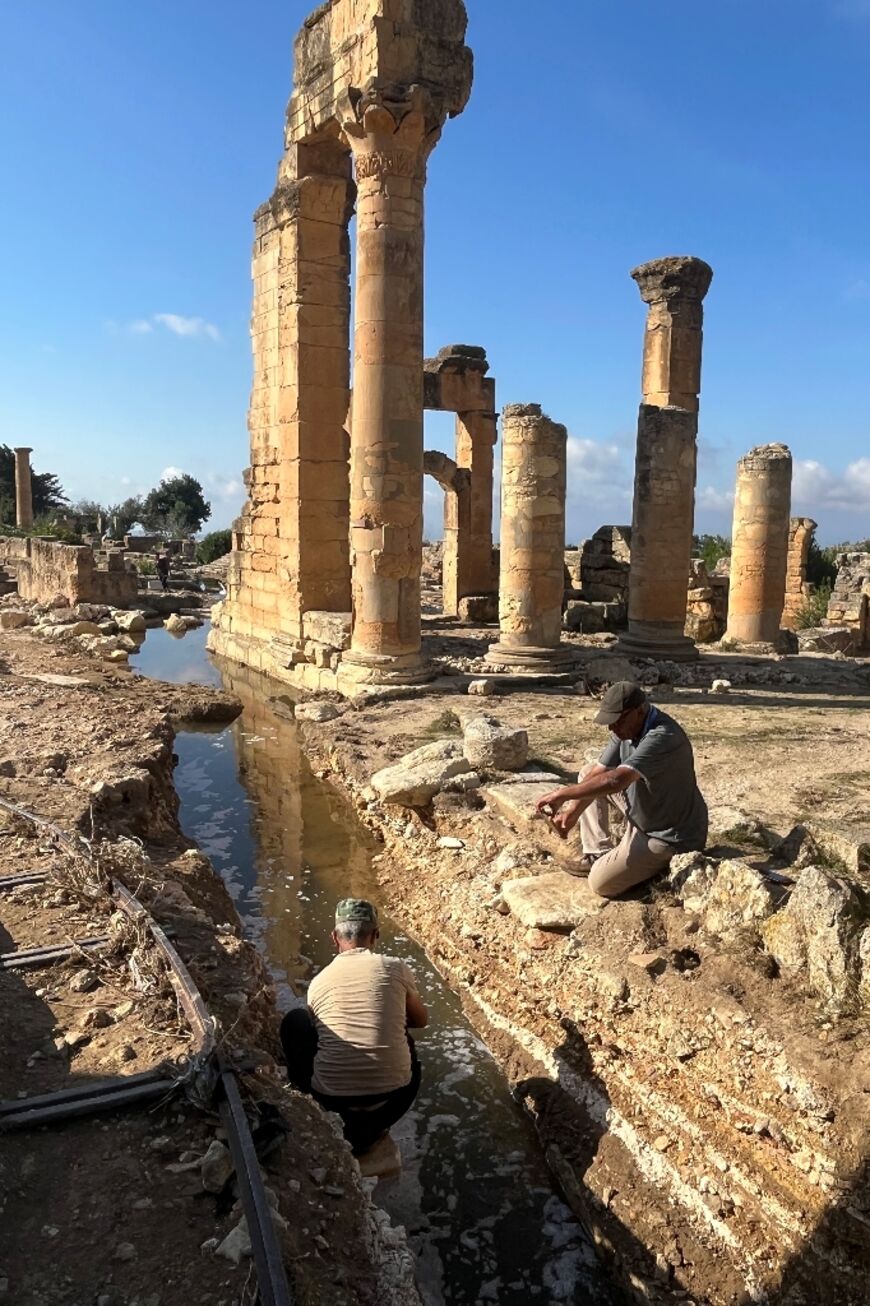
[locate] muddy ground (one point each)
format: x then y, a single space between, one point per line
112 1210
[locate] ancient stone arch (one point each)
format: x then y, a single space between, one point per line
455 381
374 82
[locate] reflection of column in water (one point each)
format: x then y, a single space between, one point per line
303 830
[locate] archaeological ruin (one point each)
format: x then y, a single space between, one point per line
760 544
801 533
23 489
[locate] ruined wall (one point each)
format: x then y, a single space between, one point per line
367 75
850 601
706 604
801 532
604 564
46 569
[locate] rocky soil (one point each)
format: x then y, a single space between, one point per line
696 1059
119 1210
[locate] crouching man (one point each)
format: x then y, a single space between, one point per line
647 772
350 1046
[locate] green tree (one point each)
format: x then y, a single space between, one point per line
126 514
711 548
214 545
176 507
822 566
47 491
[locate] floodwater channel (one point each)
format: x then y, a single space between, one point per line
474 1194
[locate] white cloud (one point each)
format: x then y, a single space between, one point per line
170 473
816 486
713 500
176 323
592 463
187 326
223 487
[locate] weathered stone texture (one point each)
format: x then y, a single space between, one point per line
455 381
532 566
491 746
23 489
661 533
759 545
801 532
674 288
706 604
45 569
849 606
603 565
374 82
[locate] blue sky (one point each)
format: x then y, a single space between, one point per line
138 140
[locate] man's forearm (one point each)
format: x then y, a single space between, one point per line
601 785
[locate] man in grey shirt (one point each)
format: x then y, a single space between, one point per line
647 771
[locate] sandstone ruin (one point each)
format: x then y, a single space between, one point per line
46 570
760 544
532 566
23 489
801 532
374 85
849 606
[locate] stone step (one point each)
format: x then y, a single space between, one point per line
552 901
383 1161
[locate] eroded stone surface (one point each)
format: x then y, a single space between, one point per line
417 778
760 544
817 936
552 901
491 746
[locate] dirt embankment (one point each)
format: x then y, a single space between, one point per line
706 1117
113 1209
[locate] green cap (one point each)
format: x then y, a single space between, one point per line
356 910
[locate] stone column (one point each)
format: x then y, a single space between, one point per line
23 490
476 435
759 544
674 288
390 140
661 534
801 532
532 568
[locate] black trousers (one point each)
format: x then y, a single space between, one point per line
365 1117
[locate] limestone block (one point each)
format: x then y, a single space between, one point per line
332 628
491 746
479 609
316 712
738 899
864 957
11 619
817 937
607 669
826 639
131 623
552 901
418 777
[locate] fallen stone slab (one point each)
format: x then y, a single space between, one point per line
491 746
516 802
316 712
552 901
52 678
11 619
418 777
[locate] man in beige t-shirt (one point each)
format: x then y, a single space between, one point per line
350 1046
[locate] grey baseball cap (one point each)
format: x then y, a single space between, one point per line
620 697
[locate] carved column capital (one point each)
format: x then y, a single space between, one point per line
391 131
679 277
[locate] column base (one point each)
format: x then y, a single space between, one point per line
663 645
531 661
382 669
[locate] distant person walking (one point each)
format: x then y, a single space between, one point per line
350 1047
646 772
163 570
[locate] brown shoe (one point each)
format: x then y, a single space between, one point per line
583 865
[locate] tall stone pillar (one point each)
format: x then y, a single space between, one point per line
476 435
23 490
661 534
390 140
801 532
532 565
674 288
759 544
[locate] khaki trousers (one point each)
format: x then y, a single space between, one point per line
635 858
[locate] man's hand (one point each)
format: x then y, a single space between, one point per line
565 820
551 802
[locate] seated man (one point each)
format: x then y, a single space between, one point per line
647 771
350 1047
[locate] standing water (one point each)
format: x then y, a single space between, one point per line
474 1194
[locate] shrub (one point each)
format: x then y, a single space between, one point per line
146 567
814 609
214 545
711 548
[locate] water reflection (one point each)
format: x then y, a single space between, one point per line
474 1194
